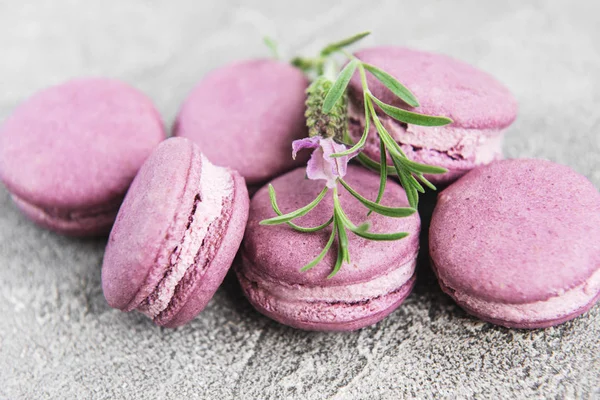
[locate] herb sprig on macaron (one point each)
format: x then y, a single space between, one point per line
327 121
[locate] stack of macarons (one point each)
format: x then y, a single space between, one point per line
91 156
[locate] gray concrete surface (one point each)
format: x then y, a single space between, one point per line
60 340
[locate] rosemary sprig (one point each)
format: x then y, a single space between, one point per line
326 116
341 224
406 170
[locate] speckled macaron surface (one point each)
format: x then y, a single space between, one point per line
480 106
176 235
245 116
379 277
69 153
517 243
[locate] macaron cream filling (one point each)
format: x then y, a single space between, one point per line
563 304
351 293
191 258
456 145
331 304
326 308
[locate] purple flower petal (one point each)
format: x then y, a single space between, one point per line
321 165
338 165
306 143
318 168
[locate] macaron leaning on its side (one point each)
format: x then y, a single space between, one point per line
176 235
480 106
69 153
517 243
245 116
376 281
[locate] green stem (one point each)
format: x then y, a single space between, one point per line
294 214
322 254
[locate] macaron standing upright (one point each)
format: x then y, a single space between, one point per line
378 279
246 115
69 153
517 243
176 235
481 107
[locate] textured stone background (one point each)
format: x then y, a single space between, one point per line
58 337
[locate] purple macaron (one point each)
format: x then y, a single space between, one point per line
176 235
480 106
517 243
378 279
245 116
69 153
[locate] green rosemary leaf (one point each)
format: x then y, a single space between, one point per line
364 227
291 224
399 212
382 172
343 243
333 47
322 254
272 45
311 229
369 163
392 83
415 183
339 87
339 215
294 214
362 140
423 168
381 236
426 182
411 117
359 230
339 212
338 265
403 175
392 146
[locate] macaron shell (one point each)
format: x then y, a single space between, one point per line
279 252
78 145
443 86
205 288
525 324
89 223
145 230
326 316
246 115
517 231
